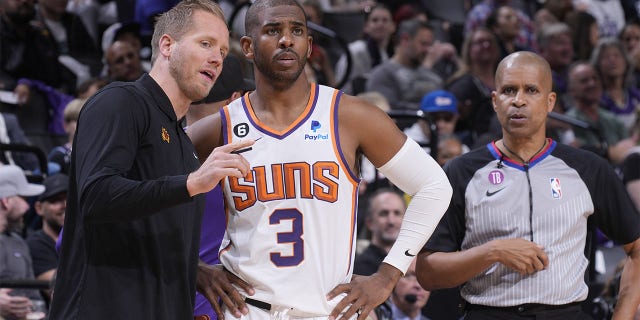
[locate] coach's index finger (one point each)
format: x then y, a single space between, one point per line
236 145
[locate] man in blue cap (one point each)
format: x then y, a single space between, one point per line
442 110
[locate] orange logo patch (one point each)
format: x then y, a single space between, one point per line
165 135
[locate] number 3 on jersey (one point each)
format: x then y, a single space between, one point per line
294 237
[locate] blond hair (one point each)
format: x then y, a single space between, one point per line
72 110
377 99
177 21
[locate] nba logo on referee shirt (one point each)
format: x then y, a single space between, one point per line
556 191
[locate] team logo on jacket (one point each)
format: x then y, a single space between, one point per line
165 135
556 190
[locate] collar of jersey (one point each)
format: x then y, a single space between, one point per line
497 154
311 104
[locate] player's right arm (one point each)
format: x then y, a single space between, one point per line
365 128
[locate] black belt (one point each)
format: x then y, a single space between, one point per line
527 307
258 304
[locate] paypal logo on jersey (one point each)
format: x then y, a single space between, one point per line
315 126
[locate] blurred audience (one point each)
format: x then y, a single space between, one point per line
404 79
506 25
608 13
123 62
449 147
50 206
386 208
319 68
472 86
442 111
77 50
552 11
408 297
555 46
630 38
368 52
609 138
61 155
478 14
15 259
620 96
585 33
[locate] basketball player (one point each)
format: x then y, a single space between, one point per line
291 220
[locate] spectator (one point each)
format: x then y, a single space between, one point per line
51 206
584 32
620 96
472 86
385 210
27 51
15 259
449 147
77 49
630 38
611 139
97 14
88 88
123 62
128 32
11 133
504 22
408 297
551 12
608 13
319 68
61 155
556 47
370 51
441 109
478 14
403 80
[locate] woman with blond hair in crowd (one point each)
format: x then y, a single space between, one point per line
615 70
473 83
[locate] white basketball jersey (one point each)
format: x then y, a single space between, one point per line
291 223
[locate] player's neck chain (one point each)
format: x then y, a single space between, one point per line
526 162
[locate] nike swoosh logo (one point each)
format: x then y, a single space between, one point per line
406 253
489 194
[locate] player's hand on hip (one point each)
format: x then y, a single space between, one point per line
522 256
216 284
222 162
364 293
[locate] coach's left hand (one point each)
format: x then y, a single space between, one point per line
364 293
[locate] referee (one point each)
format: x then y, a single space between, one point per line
515 232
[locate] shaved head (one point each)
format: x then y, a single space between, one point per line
253 21
522 59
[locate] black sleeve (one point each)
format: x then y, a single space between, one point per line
450 231
108 137
614 212
44 257
631 168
